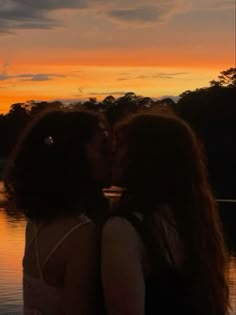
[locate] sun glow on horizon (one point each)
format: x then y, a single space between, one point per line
70 83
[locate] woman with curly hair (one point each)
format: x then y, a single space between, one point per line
55 176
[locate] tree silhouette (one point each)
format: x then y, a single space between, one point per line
226 78
38 107
11 126
212 114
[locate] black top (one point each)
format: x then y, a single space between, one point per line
166 292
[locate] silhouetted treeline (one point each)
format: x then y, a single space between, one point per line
211 111
12 123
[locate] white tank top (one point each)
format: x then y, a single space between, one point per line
39 297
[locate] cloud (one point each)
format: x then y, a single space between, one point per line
43 25
108 93
140 14
124 79
43 76
152 12
18 15
54 4
11 10
38 14
159 75
39 76
171 75
4 76
215 5
32 14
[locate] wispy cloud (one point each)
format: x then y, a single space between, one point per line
39 76
146 14
171 75
54 4
124 79
152 12
33 14
214 4
159 75
20 14
108 93
4 76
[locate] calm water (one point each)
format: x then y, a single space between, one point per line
11 250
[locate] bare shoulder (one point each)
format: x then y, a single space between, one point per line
122 268
117 225
118 229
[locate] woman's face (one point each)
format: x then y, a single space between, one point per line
99 155
119 154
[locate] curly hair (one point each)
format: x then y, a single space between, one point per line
48 172
164 164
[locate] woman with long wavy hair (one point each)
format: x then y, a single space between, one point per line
163 251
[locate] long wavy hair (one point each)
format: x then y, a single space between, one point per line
48 173
164 164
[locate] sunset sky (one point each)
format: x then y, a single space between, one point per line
72 49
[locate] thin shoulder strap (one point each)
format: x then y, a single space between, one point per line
64 238
37 252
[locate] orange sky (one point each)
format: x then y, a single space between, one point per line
74 49
80 82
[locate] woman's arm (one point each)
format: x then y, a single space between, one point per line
82 272
122 270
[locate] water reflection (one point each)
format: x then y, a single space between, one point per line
11 250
